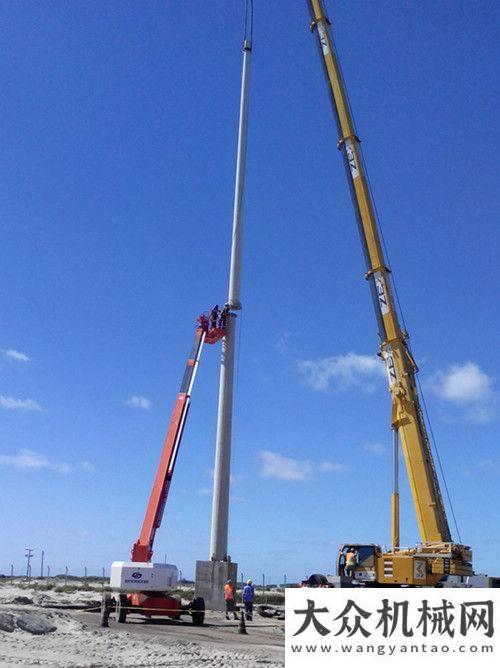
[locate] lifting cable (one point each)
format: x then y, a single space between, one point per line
401 314
420 388
438 458
248 34
417 378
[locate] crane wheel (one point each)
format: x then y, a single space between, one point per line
121 608
197 608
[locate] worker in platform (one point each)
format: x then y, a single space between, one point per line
350 562
223 317
248 597
229 599
214 317
203 322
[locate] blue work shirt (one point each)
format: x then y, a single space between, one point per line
248 593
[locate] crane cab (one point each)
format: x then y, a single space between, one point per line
366 561
378 569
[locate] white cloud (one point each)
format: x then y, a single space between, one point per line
29 459
481 414
375 448
205 491
16 356
467 386
486 464
139 402
343 372
332 466
9 403
462 384
274 465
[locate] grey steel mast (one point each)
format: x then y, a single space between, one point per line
222 470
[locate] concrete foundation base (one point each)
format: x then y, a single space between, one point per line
211 576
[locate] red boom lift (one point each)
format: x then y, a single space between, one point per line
140 583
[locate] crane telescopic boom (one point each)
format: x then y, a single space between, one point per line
407 416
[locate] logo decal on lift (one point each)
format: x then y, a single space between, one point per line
351 159
381 293
323 39
390 367
137 576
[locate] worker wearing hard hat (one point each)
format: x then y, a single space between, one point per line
214 317
248 597
223 317
229 599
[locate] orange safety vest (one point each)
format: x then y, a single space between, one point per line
228 592
350 559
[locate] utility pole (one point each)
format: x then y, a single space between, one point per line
41 567
65 576
220 501
28 554
85 572
48 572
211 575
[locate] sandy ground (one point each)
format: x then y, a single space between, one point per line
79 641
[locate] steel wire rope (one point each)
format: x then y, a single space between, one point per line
421 390
438 458
247 35
400 308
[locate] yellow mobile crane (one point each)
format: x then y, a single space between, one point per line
437 555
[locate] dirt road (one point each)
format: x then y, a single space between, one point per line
78 640
261 633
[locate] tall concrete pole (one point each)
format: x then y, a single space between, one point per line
222 470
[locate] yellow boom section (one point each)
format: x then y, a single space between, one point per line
407 415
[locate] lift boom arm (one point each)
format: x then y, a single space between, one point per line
407 417
142 551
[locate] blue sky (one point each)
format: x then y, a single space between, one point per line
118 157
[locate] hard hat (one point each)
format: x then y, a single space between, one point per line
229 582
249 582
